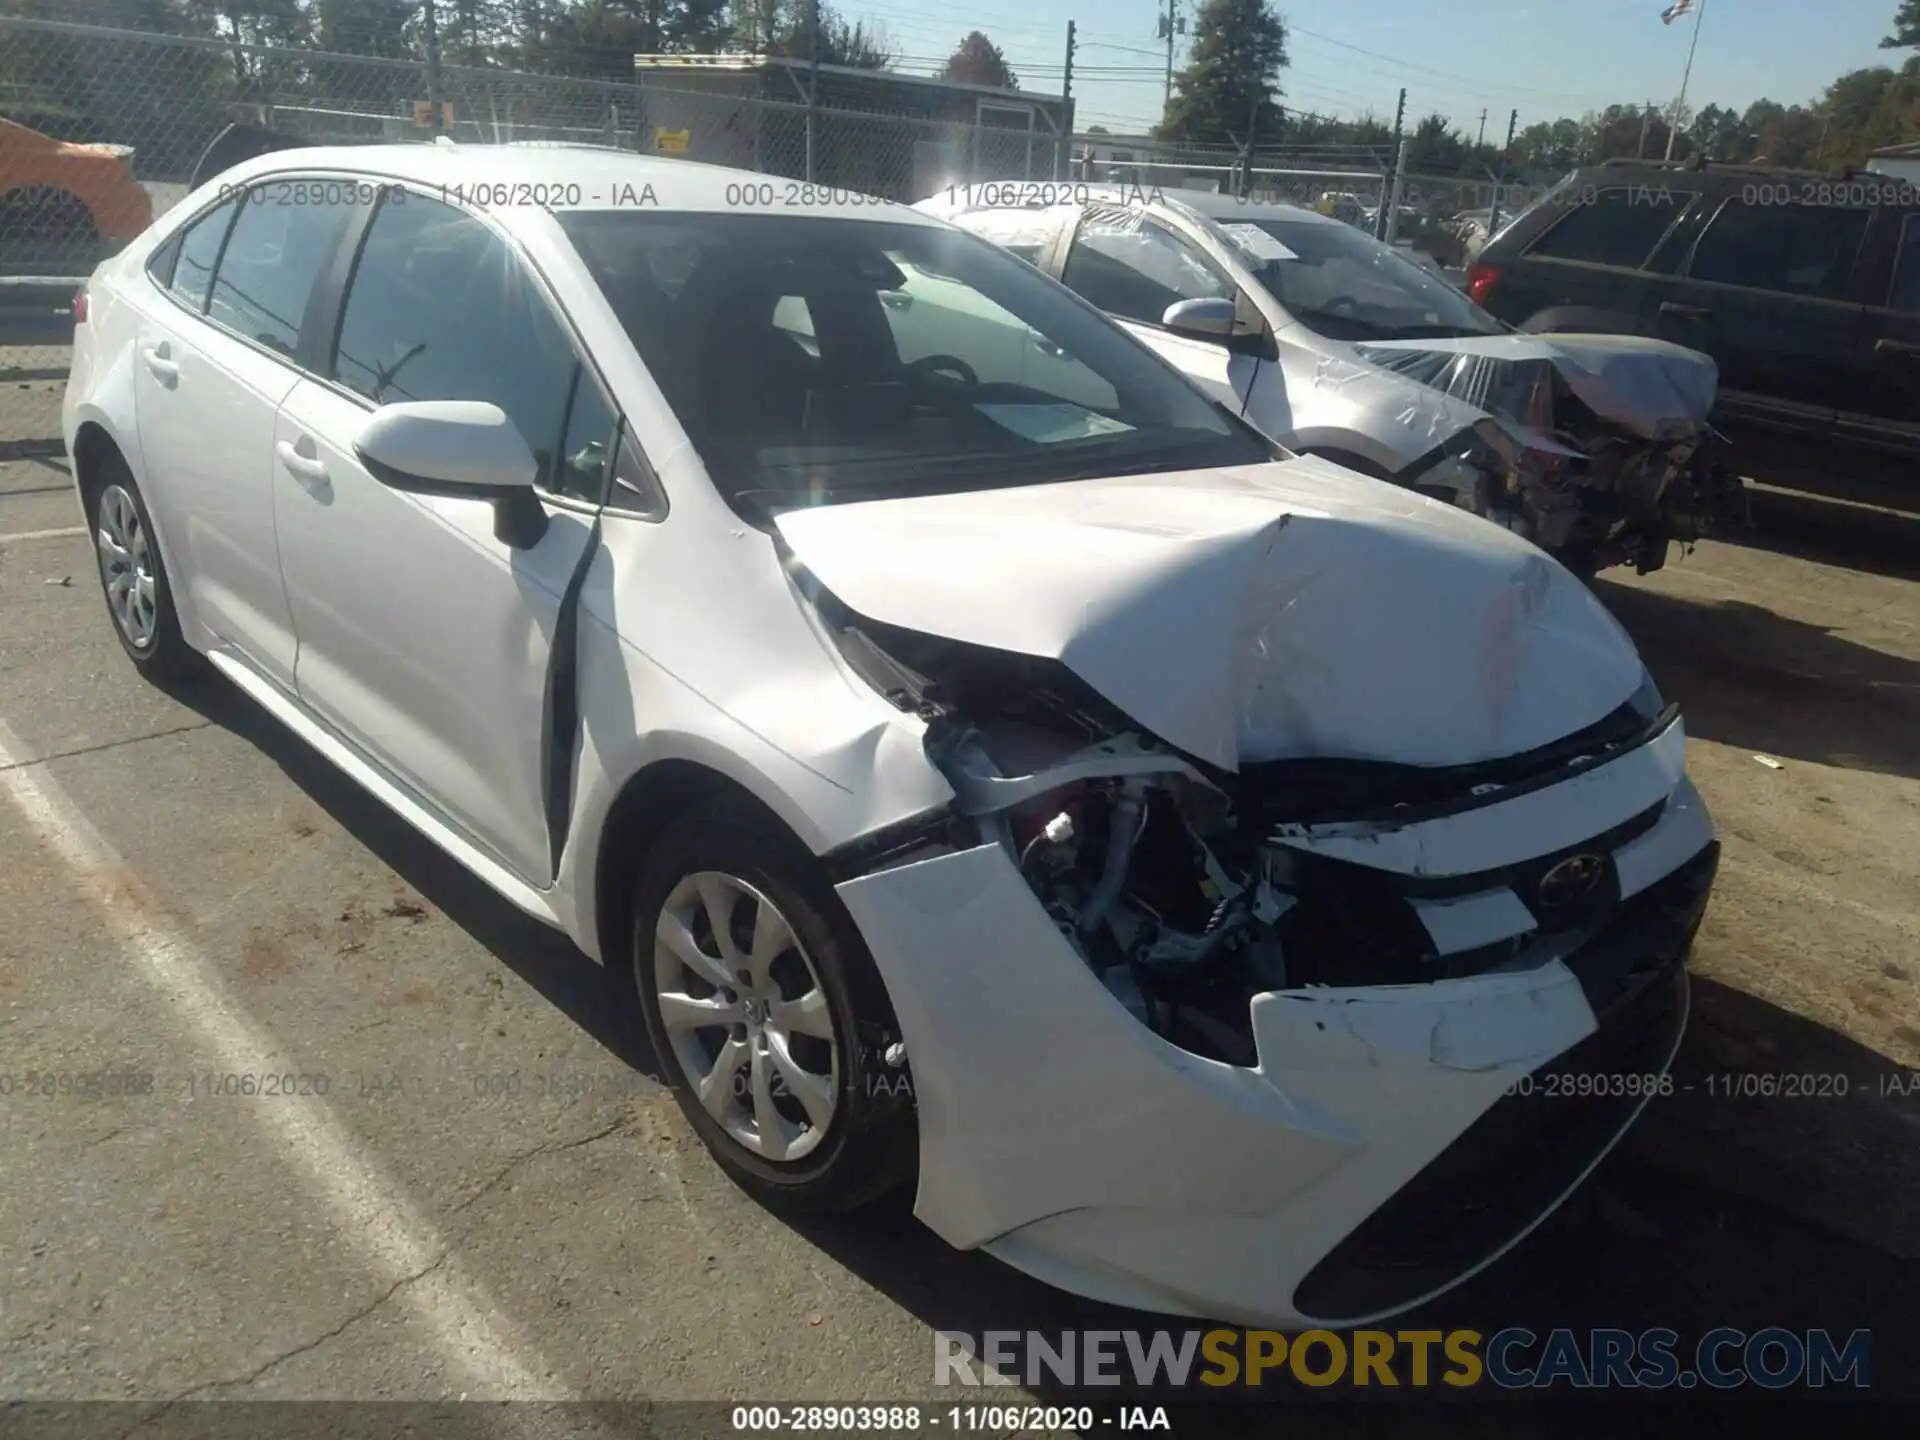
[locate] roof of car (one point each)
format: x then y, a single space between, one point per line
961 202
575 177
1228 207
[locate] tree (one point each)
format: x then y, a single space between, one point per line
976 60
841 42
1435 148
1906 28
1239 50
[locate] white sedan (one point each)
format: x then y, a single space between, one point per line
980 759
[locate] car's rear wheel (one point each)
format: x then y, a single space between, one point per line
133 577
766 1014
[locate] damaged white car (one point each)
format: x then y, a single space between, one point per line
1216 882
1595 447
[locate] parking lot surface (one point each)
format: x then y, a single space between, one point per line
382 1144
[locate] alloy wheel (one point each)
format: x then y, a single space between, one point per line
126 566
746 1015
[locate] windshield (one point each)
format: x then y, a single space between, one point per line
813 360
1348 286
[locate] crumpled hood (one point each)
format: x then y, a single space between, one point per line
1657 390
1271 612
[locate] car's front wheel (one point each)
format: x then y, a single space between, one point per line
133 576
766 1013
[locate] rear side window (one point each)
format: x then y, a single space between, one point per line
1616 226
1906 270
1795 249
270 263
199 251
441 309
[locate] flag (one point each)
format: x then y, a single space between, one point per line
1674 11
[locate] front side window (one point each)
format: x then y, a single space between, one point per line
1347 285
1619 225
199 251
1905 294
1795 249
270 263
440 308
1130 267
813 360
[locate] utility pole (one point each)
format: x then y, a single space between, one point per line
1172 23
1673 126
1646 120
1386 183
813 76
1500 185
1481 142
430 27
1062 160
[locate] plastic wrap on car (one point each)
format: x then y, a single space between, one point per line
1653 389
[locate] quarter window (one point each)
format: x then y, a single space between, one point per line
1616 226
1797 249
441 309
1134 269
269 265
199 253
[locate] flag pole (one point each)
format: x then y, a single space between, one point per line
1673 122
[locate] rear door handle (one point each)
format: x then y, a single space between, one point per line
1685 312
157 361
309 470
1896 348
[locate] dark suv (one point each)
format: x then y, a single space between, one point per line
1805 288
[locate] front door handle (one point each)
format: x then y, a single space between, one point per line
308 469
1896 348
162 366
1685 312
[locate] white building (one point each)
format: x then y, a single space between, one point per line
1899 160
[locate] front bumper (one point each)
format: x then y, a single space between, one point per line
1372 1159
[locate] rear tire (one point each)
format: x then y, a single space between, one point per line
766 1014
133 576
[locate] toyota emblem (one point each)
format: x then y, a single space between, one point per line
1572 880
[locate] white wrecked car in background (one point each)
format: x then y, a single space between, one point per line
1595 447
975 755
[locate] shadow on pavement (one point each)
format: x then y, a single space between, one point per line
1754 679
1867 538
1718 1209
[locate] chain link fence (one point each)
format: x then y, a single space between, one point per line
101 127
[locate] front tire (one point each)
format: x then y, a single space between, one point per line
133 577
766 1013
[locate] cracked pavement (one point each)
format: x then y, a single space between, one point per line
161 1248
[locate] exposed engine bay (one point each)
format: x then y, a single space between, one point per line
1596 450
1171 879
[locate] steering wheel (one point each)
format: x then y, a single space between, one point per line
928 365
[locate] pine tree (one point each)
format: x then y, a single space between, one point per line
1906 28
976 60
1239 49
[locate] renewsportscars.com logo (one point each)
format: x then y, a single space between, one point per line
1515 1358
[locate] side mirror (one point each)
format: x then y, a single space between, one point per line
462 449
1201 319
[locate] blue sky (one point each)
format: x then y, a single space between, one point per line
1546 58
